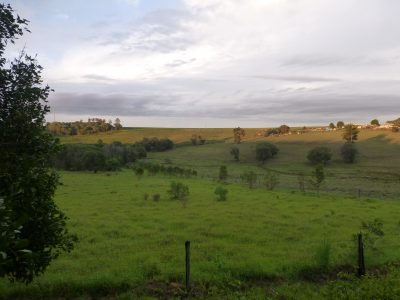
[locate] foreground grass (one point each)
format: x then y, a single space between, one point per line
257 239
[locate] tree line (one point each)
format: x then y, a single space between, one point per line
93 125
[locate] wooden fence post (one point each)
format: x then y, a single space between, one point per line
187 248
361 261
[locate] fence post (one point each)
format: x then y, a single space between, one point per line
187 248
361 261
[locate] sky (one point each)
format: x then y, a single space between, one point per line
217 63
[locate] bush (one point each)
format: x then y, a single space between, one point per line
156 197
139 171
221 193
318 177
156 145
319 155
265 151
271 180
250 178
349 153
235 153
223 173
178 191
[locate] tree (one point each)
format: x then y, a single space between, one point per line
238 134
223 173
284 129
349 152
375 122
235 153
250 178
265 151
117 124
271 180
318 177
319 155
332 126
221 193
350 133
340 124
33 228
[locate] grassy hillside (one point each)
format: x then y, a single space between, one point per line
130 247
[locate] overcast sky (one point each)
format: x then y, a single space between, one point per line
217 63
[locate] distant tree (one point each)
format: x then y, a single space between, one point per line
350 133
375 122
94 161
349 152
340 124
265 151
32 228
221 193
319 155
318 177
179 191
284 129
332 126
250 178
238 134
271 180
197 140
223 173
235 153
117 124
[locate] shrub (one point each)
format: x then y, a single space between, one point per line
235 153
178 191
250 178
223 173
265 151
156 197
318 177
221 193
271 180
319 155
139 171
146 196
349 153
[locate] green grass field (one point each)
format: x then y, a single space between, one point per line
258 244
129 246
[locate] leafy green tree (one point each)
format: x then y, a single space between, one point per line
349 153
319 155
223 173
178 191
350 133
332 126
318 177
250 178
221 193
284 129
33 228
375 122
265 151
340 124
238 134
235 153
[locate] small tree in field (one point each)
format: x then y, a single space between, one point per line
265 151
375 122
340 125
221 193
332 126
250 178
235 153
179 191
284 129
32 228
223 173
350 133
319 155
271 180
318 177
238 134
349 153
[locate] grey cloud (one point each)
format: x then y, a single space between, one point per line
296 78
179 62
98 77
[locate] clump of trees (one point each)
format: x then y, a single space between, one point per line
235 153
375 122
238 134
283 129
156 144
197 140
154 169
265 151
93 125
33 229
319 155
100 157
340 124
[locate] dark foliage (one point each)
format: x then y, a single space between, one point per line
349 152
93 125
265 151
319 155
156 145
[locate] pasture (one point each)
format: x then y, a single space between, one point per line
131 247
